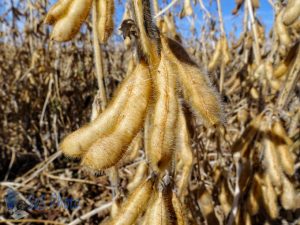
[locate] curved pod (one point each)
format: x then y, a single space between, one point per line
163 120
108 150
57 11
69 25
134 205
77 143
105 23
292 12
196 87
184 152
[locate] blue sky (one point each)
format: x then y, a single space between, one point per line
232 23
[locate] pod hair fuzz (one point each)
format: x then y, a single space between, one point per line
196 87
134 205
78 142
163 121
108 150
67 17
105 23
184 153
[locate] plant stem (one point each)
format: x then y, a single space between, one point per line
165 9
98 60
204 9
222 76
221 19
254 29
113 173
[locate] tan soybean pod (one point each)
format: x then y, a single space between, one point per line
253 201
280 132
143 19
261 33
105 21
69 25
216 56
163 120
77 143
296 26
108 150
283 67
282 145
57 11
225 197
226 58
260 71
147 128
269 197
179 210
246 139
292 12
133 149
140 174
115 208
207 207
272 162
161 211
288 195
196 87
254 93
135 205
184 153
269 70
282 30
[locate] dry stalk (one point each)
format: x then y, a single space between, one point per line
255 32
168 7
98 60
204 9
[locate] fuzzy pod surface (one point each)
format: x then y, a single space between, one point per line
161 131
105 21
78 142
107 151
196 87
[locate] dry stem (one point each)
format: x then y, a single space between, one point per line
165 9
255 33
98 59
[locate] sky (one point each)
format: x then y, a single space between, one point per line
233 23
